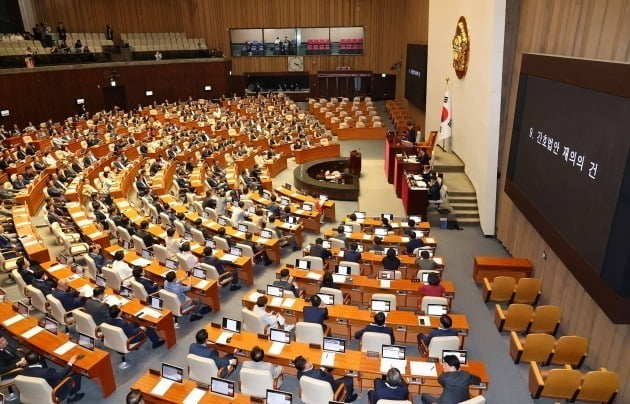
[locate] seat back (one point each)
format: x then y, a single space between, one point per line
34 390
570 350
252 322
374 341
181 261
21 285
336 243
201 369
111 227
114 338
84 323
317 263
56 309
164 219
517 317
89 269
545 319
527 290
123 234
138 289
171 302
197 236
439 344
315 391
138 244
311 333
561 383
355 268
338 294
247 250
221 243
599 386
160 253
37 298
537 347
391 298
179 227
251 227
112 278
255 382
427 300
502 288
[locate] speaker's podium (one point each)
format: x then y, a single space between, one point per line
354 163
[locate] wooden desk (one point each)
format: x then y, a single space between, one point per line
316 153
277 165
491 267
392 148
361 288
355 133
164 324
178 392
33 244
95 365
401 167
390 239
86 226
329 206
346 320
398 226
33 196
415 199
310 219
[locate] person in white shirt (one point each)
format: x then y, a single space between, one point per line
191 259
238 214
121 267
273 319
172 243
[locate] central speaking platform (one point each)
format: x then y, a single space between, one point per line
329 177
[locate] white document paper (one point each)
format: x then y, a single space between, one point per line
438 260
12 320
202 284
339 278
95 234
276 348
423 369
254 296
222 339
64 348
404 239
328 359
367 237
141 262
399 364
314 275
429 240
162 387
385 283
229 257
276 301
194 396
32 332
288 302
86 290
56 267
84 222
149 312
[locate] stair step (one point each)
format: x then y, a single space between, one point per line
448 169
467 221
467 214
463 206
462 199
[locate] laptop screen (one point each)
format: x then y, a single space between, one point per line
292 219
188 236
303 264
307 207
156 302
347 228
387 275
22 309
462 355
387 216
284 201
393 352
205 214
380 231
266 194
100 281
425 277
62 259
242 227
419 233
282 336
237 251
326 244
334 345
437 309
199 273
343 270
171 264
222 386
86 341
429 250
173 373
327 298
231 325
379 305
416 219
274 290
265 234
147 254
278 397
125 292
126 244
51 325
222 221
211 243
287 186
359 215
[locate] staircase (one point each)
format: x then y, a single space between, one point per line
462 198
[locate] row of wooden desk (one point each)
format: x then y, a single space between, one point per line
316 153
33 244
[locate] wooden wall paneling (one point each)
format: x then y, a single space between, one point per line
578 28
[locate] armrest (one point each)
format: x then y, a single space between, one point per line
423 349
516 349
340 393
499 317
59 386
278 381
347 299
10 374
487 289
68 318
136 345
186 311
536 381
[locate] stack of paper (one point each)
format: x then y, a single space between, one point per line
328 359
400 364
288 302
313 275
12 320
423 369
254 296
64 348
276 301
202 284
162 387
385 283
33 331
275 348
194 396
222 339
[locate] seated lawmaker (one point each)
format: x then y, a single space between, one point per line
390 262
391 387
413 242
305 368
352 254
377 326
133 330
314 313
200 348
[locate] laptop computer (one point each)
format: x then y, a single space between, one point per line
231 325
307 207
326 244
284 201
22 309
171 264
266 194
303 264
393 356
266 234
429 250
276 291
278 397
51 325
188 236
100 281
380 231
416 219
436 309
222 221
236 251
343 270
156 303
377 305
222 387
147 254
359 215
86 341
125 292
211 244
462 355
334 345
387 275
327 298
199 273
282 336
292 219
172 373
347 228
242 228
387 216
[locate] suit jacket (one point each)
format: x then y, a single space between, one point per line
68 300
130 329
27 275
318 374
455 386
146 237
391 263
440 332
150 286
384 392
8 359
99 260
51 375
98 310
315 314
413 244
42 285
376 328
206 352
287 286
319 251
352 256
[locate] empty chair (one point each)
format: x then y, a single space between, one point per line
58 312
212 214
112 278
386 296
84 323
500 289
74 249
38 300
557 383
179 227
172 303
545 319
160 253
115 338
7 265
534 347
316 262
202 369
355 268
374 341
182 262
253 322
599 386
164 219
123 234
570 350
111 227
336 243
314 391
516 318
36 390
138 244
427 300
439 344
338 295
311 333
527 291
89 267
255 382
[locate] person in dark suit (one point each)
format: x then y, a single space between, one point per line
454 383
352 254
377 245
209 259
70 300
150 286
145 235
316 314
95 306
317 250
54 217
443 330
286 283
392 387
9 358
200 348
53 377
143 187
273 206
99 260
411 133
41 282
423 157
305 368
24 269
377 326
341 235
133 330
264 257
390 262
413 242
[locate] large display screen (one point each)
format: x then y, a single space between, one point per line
416 75
568 164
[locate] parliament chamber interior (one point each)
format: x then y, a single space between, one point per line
370 201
